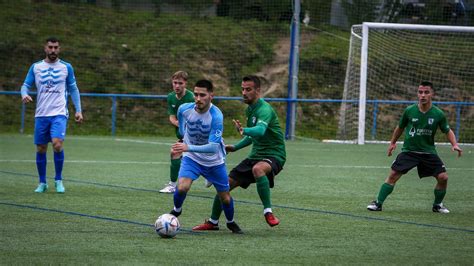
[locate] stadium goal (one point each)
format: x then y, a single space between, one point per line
387 62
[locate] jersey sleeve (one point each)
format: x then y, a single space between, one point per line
443 124
73 89
217 127
28 83
404 119
71 78
170 105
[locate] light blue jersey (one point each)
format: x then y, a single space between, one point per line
53 81
203 134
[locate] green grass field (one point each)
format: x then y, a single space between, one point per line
112 200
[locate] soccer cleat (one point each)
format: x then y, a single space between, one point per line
271 219
169 188
175 213
42 187
440 208
58 184
374 206
234 228
206 226
207 183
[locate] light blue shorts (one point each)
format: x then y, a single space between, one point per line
49 127
217 175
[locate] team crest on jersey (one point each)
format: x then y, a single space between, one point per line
218 133
254 119
430 121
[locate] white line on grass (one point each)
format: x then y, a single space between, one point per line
287 165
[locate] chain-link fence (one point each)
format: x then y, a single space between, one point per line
133 47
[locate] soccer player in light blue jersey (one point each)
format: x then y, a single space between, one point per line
54 80
201 124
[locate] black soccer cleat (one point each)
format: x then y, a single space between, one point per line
234 228
175 213
374 206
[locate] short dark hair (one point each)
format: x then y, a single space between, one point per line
52 39
254 79
426 84
204 83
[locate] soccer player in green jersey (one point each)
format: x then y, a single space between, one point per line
420 122
178 96
266 159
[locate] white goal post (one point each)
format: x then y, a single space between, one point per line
387 62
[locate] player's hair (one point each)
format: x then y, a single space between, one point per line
52 39
426 84
204 83
254 79
180 75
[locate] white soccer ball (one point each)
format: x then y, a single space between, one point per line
167 225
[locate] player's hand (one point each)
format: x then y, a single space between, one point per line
238 126
391 148
78 117
456 148
179 147
229 148
27 99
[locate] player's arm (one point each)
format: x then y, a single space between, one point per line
244 142
393 141
74 92
25 88
454 143
174 120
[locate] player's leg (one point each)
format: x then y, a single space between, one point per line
404 163
213 222
189 171
433 166
260 171
58 133
42 138
175 164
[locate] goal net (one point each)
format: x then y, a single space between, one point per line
386 64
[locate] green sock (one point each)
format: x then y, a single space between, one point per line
263 189
174 169
216 208
385 190
439 196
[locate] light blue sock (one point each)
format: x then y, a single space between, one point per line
41 161
58 164
229 210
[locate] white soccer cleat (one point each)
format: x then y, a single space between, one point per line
169 188
207 183
440 208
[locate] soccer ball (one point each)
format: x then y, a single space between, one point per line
167 225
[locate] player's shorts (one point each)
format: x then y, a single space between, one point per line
427 164
217 175
49 127
242 173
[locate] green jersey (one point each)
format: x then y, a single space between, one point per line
420 128
272 143
174 103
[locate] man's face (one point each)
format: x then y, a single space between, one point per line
249 93
202 98
52 50
179 85
424 94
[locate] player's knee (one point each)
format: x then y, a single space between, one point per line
442 177
258 171
225 199
42 148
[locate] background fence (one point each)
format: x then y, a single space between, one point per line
133 47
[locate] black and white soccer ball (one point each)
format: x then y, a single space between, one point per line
167 225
